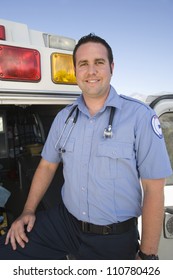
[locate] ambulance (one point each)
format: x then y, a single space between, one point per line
37 80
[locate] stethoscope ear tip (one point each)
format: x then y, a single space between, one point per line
61 150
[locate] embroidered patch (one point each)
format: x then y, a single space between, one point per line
156 126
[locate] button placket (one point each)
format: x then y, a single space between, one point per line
84 167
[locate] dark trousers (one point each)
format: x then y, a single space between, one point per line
56 234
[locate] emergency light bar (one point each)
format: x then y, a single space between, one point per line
59 42
2 32
62 69
19 64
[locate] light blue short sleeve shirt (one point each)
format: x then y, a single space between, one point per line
102 175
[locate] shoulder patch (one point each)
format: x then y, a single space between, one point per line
155 123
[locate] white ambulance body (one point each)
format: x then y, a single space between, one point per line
36 81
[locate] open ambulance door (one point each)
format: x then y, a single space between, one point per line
163 106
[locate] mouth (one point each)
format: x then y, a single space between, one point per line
92 81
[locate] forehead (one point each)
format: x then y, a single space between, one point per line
91 50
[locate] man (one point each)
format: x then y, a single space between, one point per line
110 147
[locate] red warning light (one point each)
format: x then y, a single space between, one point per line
19 64
2 32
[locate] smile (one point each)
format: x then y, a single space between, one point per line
92 81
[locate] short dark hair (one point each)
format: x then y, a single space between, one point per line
95 39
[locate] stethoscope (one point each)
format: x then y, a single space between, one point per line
106 134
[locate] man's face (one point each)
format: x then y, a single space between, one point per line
93 71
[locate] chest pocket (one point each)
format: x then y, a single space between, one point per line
112 155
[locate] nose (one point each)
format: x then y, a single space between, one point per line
92 69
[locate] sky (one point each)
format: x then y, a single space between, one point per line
140 33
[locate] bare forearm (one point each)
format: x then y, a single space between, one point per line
152 220
40 183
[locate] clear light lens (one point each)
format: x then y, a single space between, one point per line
19 64
62 69
59 42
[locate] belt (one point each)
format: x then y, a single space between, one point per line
116 228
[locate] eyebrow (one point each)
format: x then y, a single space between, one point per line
82 61
96 60
100 59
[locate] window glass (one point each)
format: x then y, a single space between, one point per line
166 121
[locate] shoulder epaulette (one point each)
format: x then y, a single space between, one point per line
129 98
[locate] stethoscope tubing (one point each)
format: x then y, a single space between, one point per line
107 132
61 150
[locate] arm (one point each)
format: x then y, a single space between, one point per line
152 214
40 183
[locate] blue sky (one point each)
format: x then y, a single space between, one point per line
140 33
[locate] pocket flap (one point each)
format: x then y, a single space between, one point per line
115 150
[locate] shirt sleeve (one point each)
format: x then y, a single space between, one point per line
50 150
152 156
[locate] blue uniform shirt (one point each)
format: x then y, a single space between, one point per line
102 175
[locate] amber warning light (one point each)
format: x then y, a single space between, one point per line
62 69
19 64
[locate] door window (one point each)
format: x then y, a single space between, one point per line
166 121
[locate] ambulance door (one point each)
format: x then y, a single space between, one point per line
163 106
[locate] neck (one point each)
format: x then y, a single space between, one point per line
94 105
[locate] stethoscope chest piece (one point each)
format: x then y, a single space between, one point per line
108 131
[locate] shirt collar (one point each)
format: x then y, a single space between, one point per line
113 100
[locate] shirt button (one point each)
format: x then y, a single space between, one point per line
92 121
83 188
83 213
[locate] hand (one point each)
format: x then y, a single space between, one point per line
17 231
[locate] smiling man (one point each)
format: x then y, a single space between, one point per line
109 149
94 71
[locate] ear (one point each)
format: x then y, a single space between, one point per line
112 67
75 71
